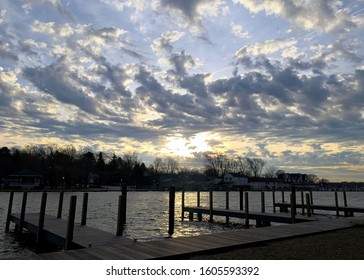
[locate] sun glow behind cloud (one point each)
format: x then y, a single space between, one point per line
178 145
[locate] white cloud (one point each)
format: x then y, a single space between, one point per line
239 32
271 46
139 5
164 42
323 16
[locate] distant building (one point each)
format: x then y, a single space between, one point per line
265 184
25 179
293 177
235 179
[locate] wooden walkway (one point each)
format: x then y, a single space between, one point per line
348 211
183 247
55 230
257 216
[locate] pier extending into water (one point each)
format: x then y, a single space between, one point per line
89 243
65 234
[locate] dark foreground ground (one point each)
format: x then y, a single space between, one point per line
344 244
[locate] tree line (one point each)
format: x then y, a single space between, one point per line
68 166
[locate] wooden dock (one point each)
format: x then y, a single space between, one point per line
257 216
348 211
92 243
55 231
184 247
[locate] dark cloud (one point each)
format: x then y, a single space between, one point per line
180 62
187 7
56 80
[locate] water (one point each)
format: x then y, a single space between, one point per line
147 213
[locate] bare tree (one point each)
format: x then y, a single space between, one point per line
270 172
255 166
158 165
216 164
171 165
243 166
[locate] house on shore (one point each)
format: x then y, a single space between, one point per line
234 180
293 178
25 179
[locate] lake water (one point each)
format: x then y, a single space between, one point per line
147 213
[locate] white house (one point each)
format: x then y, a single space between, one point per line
235 179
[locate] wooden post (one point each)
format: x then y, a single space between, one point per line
22 213
346 213
172 194
311 201
308 204
241 199
274 200
262 199
71 222
60 205
10 207
199 215
282 195
293 210
41 218
337 204
84 209
121 214
211 206
293 188
303 203
227 205
183 205
246 210
124 192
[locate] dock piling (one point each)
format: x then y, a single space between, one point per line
124 192
274 200
227 205
262 199
337 204
211 206
303 203
346 213
246 210
241 199
60 205
311 201
199 215
293 208
43 205
308 204
22 213
10 207
172 195
84 209
121 216
71 222
183 205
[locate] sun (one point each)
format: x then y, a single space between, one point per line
181 146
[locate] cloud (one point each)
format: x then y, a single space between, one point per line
193 12
239 32
322 16
57 80
164 43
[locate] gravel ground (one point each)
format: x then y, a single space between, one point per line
343 244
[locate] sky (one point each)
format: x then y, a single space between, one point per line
281 80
